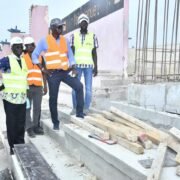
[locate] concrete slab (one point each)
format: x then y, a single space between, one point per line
5 175
33 164
161 96
93 154
61 162
161 120
149 96
105 161
173 98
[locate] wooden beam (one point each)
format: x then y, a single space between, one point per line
134 147
122 123
161 135
113 128
177 158
115 118
175 132
155 171
90 128
155 135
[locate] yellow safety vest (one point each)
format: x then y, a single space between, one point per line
16 80
83 52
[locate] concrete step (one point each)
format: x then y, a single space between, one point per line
112 93
114 82
158 119
33 164
52 148
5 175
105 161
102 159
4 164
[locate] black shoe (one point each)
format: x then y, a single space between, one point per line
11 151
38 131
56 127
80 115
31 133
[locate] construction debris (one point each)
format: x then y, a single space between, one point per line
110 142
115 126
157 165
175 132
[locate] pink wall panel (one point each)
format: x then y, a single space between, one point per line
38 22
112 33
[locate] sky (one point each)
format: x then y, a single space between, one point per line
16 12
133 11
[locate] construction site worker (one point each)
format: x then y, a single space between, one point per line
37 88
14 75
84 46
59 62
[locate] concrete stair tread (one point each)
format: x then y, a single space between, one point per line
62 164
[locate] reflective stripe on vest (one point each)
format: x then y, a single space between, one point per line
34 73
83 52
56 55
16 80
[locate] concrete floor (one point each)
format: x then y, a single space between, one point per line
62 164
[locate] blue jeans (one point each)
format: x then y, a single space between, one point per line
54 82
88 73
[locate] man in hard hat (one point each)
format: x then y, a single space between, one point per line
59 62
14 74
37 87
84 45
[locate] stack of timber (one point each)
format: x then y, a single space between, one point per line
129 131
133 134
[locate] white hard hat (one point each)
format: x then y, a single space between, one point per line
16 40
28 40
83 17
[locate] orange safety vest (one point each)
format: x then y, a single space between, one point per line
56 55
34 73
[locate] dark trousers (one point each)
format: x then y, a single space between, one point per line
54 82
15 122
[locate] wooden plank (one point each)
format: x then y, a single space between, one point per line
175 132
90 128
115 118
134 147
177 158
161 135
155 171
113 128
154 134
138 131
